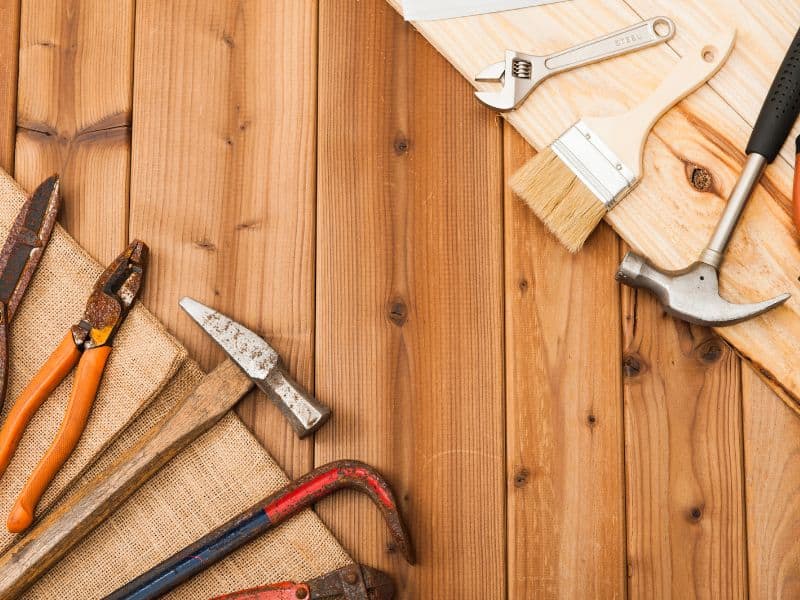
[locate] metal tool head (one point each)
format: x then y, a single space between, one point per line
246 348
519 73
353 582
26 242
691 294
112 297
262 364
342 474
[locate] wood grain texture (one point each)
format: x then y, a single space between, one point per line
563 409
51 539
74 112
9 57
664 218
409 288
223 178
685 508
772 460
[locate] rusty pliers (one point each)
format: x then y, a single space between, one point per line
353 582
87 344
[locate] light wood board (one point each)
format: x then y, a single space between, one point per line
665 218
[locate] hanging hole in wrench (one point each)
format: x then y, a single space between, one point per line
662 28
709 54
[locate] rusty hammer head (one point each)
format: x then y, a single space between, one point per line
262 364
691 294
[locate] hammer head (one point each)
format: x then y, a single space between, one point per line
691 294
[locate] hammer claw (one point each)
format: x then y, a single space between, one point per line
691 294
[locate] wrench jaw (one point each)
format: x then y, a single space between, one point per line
691 294
517 73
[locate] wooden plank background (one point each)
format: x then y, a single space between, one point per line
318 171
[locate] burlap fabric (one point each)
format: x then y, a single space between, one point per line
215 478
145 357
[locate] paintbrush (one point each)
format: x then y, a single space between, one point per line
584 173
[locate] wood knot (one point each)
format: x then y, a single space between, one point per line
398 313
247 225
632 365
710 351
401 145
591 419
695 514
227 38
523 285
699 177
521 477
205 244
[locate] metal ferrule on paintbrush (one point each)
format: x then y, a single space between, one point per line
595 164
591 167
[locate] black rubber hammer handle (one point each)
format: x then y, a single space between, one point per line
781 107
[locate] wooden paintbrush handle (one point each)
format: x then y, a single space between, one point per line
626 134
51 539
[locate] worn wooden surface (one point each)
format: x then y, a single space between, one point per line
318 171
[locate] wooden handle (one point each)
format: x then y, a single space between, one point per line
626 134
41 386
61 530
87 380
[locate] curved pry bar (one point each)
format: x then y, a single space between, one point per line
273 510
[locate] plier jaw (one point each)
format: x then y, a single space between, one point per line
112 297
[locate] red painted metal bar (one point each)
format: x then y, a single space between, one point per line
275 509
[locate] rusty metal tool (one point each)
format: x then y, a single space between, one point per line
87 345
353 582
263 365
692 293
273 510
51 539
20 257
59 532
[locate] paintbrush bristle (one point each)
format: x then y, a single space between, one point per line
561 201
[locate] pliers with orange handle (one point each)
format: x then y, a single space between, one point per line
87 344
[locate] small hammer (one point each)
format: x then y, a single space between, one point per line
273 510
263 365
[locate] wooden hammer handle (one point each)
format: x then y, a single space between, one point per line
51 539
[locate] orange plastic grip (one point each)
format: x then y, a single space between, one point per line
41 386
87 380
